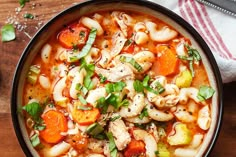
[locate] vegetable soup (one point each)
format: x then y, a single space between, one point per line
117 83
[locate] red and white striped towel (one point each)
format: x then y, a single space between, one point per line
216 28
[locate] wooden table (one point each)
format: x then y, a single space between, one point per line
10 52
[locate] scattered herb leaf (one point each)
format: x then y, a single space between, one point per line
8 33
22 3
28 16
205 92
131 61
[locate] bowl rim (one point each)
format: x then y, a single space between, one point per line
154 6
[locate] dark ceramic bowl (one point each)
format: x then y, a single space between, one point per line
75 12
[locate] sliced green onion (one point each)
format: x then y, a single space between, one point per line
35 141
132 62
85 50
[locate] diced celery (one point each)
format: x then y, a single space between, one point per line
162 150
32 78
184 79
182 135
34 69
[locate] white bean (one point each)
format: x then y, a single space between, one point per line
44 82
46 52
59 149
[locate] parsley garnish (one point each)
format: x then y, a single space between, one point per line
205 92
8 33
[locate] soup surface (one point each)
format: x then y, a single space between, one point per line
117 83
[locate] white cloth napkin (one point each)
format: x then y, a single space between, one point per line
216 28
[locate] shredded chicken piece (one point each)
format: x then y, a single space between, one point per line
120 133
117 73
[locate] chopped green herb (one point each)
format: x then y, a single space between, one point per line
115 87
148 88
102 78
157 153
143 114
159 87
115 118
22 3
131 61
193 57
82 34
8 33
102 104
112 145
85 50
28 16
35 141
129 42
94 129
39 127
138 86
141 126
34 110
84 108
205 92
88 83
100 136
81 99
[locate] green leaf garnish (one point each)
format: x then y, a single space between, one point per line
193 57
28 16
115 87
143 114
112 145
91 38
102 78
131 61
22 3
138 86
34 110
8 33
205 92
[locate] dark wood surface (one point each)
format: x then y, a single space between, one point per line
10 53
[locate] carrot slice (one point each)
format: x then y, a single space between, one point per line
78 142
55 124
72 36
85 117
167 61
135 148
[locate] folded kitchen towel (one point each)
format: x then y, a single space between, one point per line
216 28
